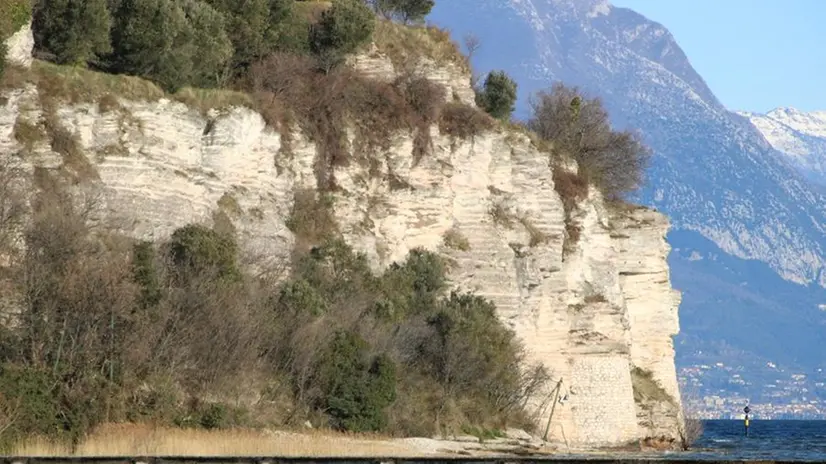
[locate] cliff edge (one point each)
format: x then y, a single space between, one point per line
586 288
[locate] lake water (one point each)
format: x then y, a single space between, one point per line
768 440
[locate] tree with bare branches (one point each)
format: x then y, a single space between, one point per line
579 127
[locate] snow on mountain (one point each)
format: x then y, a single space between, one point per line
799 135
726 185
714 172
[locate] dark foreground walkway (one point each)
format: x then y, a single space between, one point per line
377 460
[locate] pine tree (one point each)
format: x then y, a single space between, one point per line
498 95
342 29
73 31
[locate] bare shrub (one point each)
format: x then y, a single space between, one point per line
326 105
454 239
579 127
694 427
693 431
311 219
595 298
27 133
68 146
13 207
536 236
573 231
572 188
464 121
472 44
426 99
108 103
501 215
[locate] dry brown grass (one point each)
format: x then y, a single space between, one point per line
13 77
74 85
218 99
646 388
78 85
147 440
405 45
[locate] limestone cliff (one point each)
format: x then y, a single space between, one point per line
599 311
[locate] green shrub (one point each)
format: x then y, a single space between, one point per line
211 48
255 28
473 354
151 38
3 51
413 286
335 271
197 249
215 416
356 387
294 34
498 95
72 32
145 274
301 297
28 396
342 29
169 42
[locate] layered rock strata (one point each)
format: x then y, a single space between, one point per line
599 312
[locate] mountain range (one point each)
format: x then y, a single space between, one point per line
742 190
798 135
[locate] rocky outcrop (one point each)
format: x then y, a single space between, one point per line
19 47
594 311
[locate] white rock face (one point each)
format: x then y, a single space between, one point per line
589 315
457 84
19 47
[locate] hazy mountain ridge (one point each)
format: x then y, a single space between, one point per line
722 183
799 135
641 73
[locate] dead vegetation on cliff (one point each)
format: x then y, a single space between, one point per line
328 106
406 46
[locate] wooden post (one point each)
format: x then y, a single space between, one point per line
553 407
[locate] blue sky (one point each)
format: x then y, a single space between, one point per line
755 55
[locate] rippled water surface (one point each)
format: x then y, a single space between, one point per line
769 440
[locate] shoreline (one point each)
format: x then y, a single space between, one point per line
116 442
